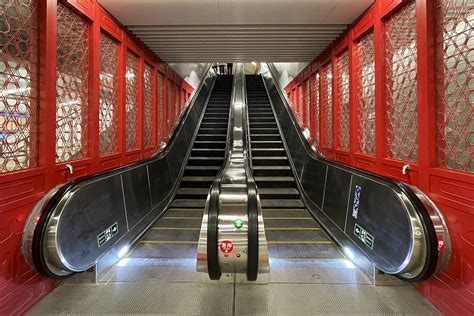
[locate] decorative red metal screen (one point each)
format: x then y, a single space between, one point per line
327 105
455 84
71 85
342 66
18 85
366 94
131 105
401 84
108 95
147 107
299 105
307 104
317 108
159 108
177 105
169 100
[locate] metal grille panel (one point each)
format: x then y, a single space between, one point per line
108 93
18 85
71 85
401 72
147 108
343 98
455 84
327 104
159 107
307 103
366 94
131 105
317 108
177 105
169 101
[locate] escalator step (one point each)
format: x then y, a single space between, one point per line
285 212
279 203
186 203
278 193
192 212
269 161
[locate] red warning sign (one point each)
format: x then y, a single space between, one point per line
226 246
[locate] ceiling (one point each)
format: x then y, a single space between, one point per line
236 30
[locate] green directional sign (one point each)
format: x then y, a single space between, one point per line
107 234
364 236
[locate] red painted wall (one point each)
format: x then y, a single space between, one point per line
24 182
410 64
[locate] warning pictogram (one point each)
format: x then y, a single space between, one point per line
226 246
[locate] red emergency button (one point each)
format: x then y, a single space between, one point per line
441 245
226 246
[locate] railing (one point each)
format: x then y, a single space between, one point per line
377 221
92 221
232 221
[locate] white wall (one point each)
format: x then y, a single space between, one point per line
288 71
192 73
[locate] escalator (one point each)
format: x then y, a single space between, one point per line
175 235
292 233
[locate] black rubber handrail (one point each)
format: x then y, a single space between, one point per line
37 250
213 267
431 239
252 199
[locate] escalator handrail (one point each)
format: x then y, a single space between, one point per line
252 196
431 237
213 206
61 191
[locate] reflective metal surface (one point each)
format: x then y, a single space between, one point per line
98 217
370 216
233 203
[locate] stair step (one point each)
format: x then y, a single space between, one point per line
269 161
278 193
280 203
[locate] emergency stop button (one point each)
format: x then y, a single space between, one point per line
226 246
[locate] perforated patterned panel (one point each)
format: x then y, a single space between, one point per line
343 98
18 85
159 107
327 105
177 105
108 101
147 108
131 105
366 94
401 72
169 101
455 84
308 103
299 107
317 108
71 85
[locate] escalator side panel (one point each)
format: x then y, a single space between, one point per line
336 195
314 179
137 194
367 237
69 235
162 180
83 210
